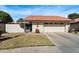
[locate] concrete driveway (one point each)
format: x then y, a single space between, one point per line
65 42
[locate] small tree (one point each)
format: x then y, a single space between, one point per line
5 17
73 16
20 20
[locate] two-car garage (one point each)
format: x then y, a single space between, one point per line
49 27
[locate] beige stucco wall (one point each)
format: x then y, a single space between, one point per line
67 27
34 26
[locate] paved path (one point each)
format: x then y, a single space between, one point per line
65 43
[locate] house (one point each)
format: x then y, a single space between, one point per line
49 23
74 26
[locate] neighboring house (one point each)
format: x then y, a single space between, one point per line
49 23
74 26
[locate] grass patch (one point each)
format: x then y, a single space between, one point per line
24 40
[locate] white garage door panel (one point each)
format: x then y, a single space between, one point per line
54 28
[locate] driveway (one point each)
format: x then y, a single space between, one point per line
65 42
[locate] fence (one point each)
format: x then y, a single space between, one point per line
13 28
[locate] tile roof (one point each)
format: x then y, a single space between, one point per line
46 18
76 20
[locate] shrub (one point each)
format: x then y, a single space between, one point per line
37 31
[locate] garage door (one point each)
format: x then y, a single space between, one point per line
54 28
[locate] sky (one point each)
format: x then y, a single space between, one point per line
22 11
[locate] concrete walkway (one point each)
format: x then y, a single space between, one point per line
65 43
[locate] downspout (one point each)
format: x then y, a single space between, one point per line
24 26
43 27
65 26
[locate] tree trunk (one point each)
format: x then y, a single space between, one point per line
0 33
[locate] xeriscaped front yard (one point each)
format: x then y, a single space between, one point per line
24 40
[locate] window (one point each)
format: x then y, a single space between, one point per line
45 23
55 23
61 23
50 23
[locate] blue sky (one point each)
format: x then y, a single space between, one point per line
21 11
